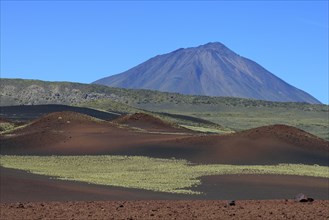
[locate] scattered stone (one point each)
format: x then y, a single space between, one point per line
20 205
120 206
231 203
310 199
303 198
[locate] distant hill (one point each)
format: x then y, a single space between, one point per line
38 92
211 70
209 114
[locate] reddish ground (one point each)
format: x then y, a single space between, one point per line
74 133
149 123
272 209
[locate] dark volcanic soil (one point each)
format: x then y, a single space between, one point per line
31 112
272 209
69 133
20 186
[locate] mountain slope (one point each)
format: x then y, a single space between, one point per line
212 70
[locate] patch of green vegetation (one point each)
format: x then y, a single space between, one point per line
161 175
12 129
207 129
5 126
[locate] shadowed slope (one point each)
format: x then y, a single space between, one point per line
31 112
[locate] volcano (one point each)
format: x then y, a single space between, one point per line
211 70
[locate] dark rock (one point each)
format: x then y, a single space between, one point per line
303 198
231 203
20 205
310 199
120 206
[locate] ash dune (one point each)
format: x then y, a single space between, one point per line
264 145
69 133
74 133
288 134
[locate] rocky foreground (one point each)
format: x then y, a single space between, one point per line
252 209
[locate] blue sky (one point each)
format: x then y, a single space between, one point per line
82 41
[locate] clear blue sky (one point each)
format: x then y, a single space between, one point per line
82 41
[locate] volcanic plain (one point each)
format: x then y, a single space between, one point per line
165 170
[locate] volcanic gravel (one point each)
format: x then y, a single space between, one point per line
258 209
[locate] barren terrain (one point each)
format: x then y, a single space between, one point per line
26 195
